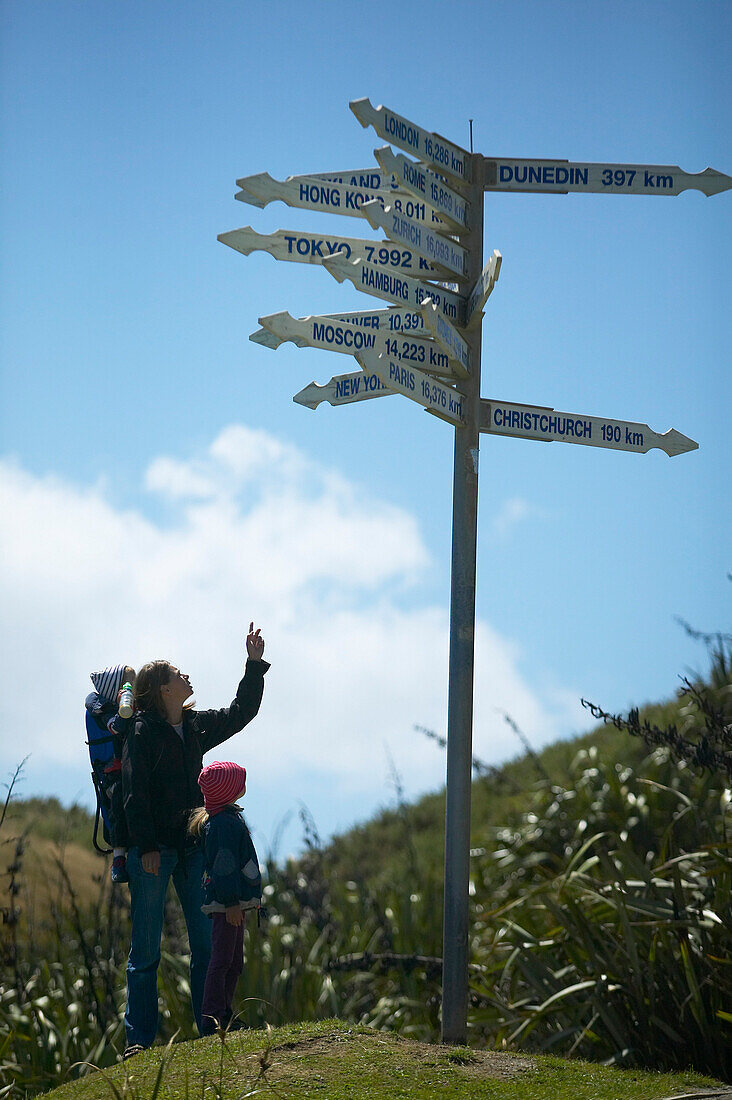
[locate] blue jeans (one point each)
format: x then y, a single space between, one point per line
147 907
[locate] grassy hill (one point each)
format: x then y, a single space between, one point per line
376 850
49 847
332 1059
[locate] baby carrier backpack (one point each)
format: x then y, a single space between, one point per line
104 752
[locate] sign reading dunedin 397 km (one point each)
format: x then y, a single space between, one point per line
561 176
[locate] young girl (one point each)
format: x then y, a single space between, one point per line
232 884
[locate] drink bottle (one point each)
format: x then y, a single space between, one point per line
126 701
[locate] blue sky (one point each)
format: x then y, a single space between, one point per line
161 489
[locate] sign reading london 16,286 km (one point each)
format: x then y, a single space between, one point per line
425 344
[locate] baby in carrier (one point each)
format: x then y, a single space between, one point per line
106 731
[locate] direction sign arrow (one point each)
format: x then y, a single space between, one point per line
396 288
369 179
307 192
343 389
318 193
447 336
380 182
425 185
480 293
428 147
549 426
432 395
339 336
435 248
312 248
391 322
561 176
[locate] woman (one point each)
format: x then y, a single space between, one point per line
161 763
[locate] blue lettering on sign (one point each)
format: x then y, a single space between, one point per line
545 174
320 194
342 337
407 230
543 424
356 199
364 322
305 246
373 382
414 177
383 282
346 387
401 130
401 376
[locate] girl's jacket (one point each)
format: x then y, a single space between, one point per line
232 875
160 769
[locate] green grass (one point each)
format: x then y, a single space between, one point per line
331 1059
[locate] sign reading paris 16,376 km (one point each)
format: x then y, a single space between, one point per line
426 346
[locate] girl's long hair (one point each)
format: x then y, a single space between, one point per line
199 817
197 820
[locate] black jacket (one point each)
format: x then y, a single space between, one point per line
160 770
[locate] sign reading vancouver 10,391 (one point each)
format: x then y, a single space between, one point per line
417 345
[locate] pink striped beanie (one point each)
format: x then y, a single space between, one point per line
221 782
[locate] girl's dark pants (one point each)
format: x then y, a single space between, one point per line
225 966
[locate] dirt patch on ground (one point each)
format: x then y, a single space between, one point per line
474 1063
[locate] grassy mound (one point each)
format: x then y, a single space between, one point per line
333 1059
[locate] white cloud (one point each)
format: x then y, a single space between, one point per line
258 531
513 512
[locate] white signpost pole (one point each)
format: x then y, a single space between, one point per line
455 937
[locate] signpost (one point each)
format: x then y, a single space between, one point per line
549 426
313 248
350 339
447 336
481 291
314 193
397 288
431 148
426 185
343 389
392 321
443 251
437 398
558 177
432 210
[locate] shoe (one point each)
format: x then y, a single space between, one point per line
119 869
237 1025
131 1051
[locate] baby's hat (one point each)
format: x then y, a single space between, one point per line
221 783
108 681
